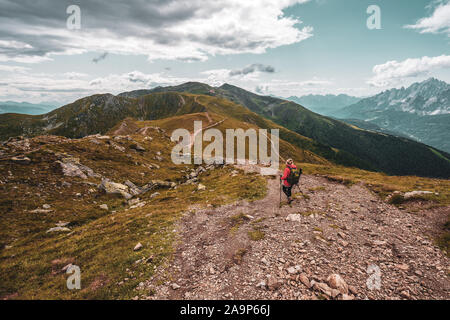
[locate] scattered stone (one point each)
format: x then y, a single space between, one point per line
304 279
294 218
72 167
104 207
137 147
175 286
294 270
403 267
353 290
201 187
64 269
336 282
58 229
412 194
323 287
405 294
71 170
273 284
46 206
115 188
138 247
40 211
154 195
261 284
21 160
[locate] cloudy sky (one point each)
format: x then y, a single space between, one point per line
279 47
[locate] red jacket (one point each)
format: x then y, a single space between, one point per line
286 173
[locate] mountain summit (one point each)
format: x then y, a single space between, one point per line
430 97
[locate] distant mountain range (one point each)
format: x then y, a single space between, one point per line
431 97
421 112
325 104
25 107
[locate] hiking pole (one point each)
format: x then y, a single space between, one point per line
280 193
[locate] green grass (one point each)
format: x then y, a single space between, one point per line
237 221
100 242
381 184
256 234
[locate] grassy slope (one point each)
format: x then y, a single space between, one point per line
101 242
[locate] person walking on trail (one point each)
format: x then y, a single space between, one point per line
290 178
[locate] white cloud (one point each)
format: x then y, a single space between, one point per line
285 88
8 68
176 29
69 86
393 72
75 75
438 22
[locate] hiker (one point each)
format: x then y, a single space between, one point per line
290 178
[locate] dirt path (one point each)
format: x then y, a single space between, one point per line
342 230
194 134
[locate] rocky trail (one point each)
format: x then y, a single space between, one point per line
333 242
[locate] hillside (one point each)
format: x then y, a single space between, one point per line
375 151
100 113
140 227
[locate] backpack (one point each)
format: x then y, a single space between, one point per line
294 176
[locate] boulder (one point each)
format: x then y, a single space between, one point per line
132 188
71 170
413 194
138 247
115 188
137 147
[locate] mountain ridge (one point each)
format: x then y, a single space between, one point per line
362 143
333 140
